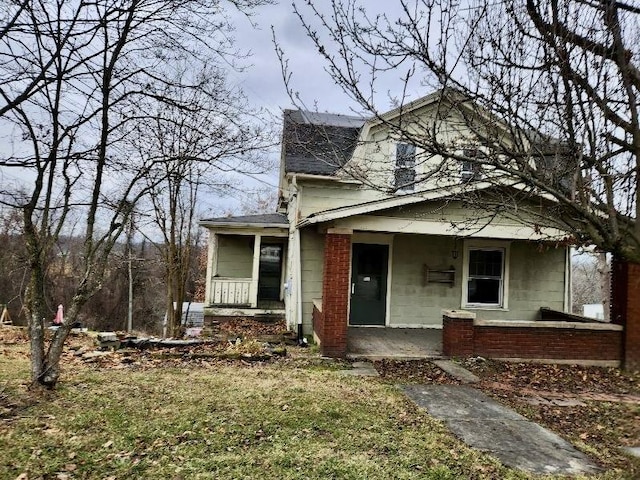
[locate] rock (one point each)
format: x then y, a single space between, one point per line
94 356
278 351
80 351
107 337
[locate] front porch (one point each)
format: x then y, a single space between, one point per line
246 270
394 343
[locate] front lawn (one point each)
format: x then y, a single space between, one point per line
165 418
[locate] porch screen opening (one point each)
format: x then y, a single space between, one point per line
486 269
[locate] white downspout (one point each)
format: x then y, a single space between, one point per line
297 256
299 283
568 280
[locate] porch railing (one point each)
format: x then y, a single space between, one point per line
231 291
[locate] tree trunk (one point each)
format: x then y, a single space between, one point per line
604 275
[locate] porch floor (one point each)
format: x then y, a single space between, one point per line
395 343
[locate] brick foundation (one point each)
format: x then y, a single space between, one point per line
563 341
332 323
625 308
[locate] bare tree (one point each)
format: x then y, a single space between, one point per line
590 282
549 90
193 150
74 78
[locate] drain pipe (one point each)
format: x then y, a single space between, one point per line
298 268
297 257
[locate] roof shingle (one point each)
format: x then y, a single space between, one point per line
318 143
264 219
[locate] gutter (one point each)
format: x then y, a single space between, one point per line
205 223
330 178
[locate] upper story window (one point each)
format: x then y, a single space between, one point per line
405 171
471 170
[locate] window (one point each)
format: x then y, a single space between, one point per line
405 172
471 170
485 275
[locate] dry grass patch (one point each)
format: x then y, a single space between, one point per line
231 421
294 418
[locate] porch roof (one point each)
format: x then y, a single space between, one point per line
369 216
267 220
449 191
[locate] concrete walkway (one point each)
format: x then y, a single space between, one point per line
394 343
486 425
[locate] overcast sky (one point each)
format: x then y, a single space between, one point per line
263 83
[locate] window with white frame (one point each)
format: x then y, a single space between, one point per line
485 274
405 170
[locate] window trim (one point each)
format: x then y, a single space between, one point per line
486 245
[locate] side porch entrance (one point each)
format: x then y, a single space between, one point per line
369 269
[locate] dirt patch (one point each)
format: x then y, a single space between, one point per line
568 379
247 327
13 335
412 371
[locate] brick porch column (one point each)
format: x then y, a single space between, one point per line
457 333
335 293
625 309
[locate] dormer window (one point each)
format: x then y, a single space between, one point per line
405 171
471 170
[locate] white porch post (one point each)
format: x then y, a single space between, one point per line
212 266
256 270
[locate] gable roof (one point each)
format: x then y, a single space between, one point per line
318 143
277 220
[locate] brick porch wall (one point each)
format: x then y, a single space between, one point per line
464 336
547 343
335 295
625 308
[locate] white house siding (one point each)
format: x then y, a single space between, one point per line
536 279
312 244
455 212
235 256
374 157
412 302
320 197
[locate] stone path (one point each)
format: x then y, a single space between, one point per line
361 369
486 425
457 371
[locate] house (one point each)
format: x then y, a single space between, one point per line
365 236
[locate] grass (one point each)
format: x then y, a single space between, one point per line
279 420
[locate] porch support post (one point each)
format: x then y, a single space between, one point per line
335 293
625 309
212 266
256 270
457 333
